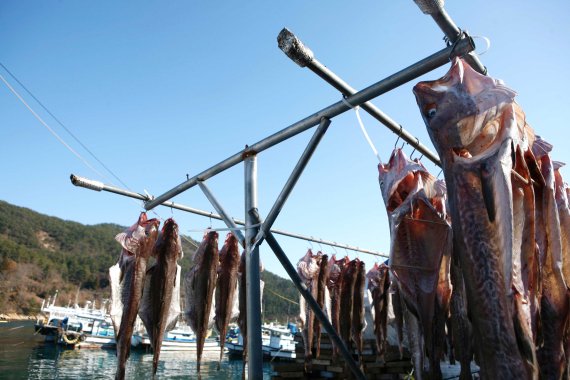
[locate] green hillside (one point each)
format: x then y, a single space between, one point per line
40 254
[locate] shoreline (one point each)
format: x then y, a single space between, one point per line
17 317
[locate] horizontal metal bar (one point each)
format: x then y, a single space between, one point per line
420 68
99 186
304 57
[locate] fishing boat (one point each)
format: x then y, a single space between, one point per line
277 342
181 338
77 327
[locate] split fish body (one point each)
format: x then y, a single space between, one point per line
308 270
200 283
334 285
554 301
476 127
564 216
378 286
160 305
420 235
226 287
323 298
349 276
358 323
138 242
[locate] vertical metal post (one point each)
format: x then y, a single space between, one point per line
254 349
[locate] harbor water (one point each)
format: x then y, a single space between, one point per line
24 355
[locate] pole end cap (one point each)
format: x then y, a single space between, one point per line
294 48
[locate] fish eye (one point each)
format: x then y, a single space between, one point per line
431 112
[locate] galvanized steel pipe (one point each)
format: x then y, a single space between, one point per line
460 48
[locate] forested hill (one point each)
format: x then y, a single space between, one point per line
40 254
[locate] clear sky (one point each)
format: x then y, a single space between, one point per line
157 90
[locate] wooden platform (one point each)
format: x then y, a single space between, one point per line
324 367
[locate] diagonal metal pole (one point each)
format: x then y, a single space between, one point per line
319 313
460 48
293 178
254 345
435 9
225 216
299 53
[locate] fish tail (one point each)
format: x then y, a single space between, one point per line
221 355
155 362
120 375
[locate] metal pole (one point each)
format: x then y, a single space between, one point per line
298 52
254 347
100 186
293 178
225 217
321 316
463 46
435 9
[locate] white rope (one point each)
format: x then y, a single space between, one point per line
364 132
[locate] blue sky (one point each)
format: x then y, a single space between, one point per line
158 90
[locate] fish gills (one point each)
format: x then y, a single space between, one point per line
199 284
226 287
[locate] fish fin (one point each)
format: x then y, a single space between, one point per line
487 188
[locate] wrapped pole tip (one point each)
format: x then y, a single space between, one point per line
294 48
86 183
430 7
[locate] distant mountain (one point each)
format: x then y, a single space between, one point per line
40 254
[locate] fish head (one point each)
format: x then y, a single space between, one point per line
561 187
457 109
170 236
399 178
132 237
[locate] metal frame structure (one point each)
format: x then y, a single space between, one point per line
256 230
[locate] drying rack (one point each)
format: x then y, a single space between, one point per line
257 230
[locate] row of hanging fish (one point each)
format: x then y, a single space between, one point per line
151 292
215 293
488 253
338 288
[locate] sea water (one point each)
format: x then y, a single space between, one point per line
24 355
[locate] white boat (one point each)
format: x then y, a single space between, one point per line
182 338
78 327
277 342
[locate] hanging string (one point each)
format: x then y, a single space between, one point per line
364 132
